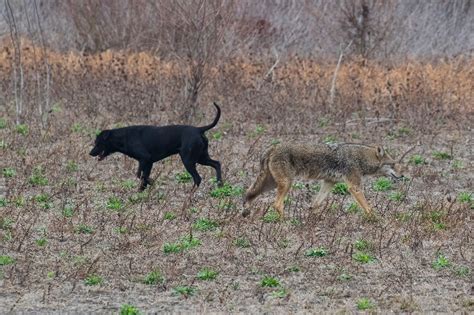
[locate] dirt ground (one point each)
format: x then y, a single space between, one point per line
88 220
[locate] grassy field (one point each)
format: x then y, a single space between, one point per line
77 235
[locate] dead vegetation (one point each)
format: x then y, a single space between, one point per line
72 228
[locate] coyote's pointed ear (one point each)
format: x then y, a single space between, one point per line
380 152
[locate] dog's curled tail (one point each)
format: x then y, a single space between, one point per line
264 181
214 123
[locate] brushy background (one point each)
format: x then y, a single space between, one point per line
76 235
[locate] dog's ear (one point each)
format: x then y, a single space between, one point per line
380 152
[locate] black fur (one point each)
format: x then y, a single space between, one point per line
149 144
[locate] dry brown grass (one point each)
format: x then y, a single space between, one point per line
54 251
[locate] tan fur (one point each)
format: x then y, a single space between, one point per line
345 162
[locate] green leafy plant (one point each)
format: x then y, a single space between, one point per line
185 244
331 139
462 271
217 135
397 196
204 225
340 189
77 128
441 262
344 277
439 155
93 280
41 242
183 177
38 178
242 242
437 218
364 304
362 245
6 260
417 159
8 172
22 129
382 184
280 293
3 201
3 123
363 257
72 166
258 131
84 229
354 208
226 190
68 211
185 290
128 184
115 203
128 309
270 282
316 252
271 216
207 274
169 216
465 197
153 277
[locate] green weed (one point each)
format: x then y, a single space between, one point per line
38 178
316 252
465 197
441 262
439 155
72 166
417 159
242 242
3 123
22 129
169 216
269 282
128 309
382 184
271 216
153 277
340 189
227 190
280 293
185 244
6 260
8 172
207 274
114 203
128 184
185 290
205 225
84 229
93 280
364 304
183 177
363 257
397 196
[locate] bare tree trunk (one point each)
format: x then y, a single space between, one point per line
18 80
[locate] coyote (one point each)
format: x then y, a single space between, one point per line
331 163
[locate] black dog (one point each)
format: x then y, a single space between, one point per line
149 144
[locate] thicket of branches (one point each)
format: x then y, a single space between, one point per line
377 28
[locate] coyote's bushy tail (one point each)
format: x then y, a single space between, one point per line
264 181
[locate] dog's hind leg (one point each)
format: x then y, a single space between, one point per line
206 160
